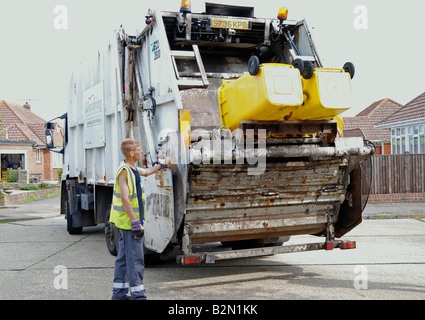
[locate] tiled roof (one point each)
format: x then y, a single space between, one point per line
366 120
22 125
413 110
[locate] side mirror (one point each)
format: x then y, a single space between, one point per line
49 139
50 126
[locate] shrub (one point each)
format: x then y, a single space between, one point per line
29 187
43 185
59 171
12 175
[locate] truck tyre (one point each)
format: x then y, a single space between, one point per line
349 68
308 70
112 235
253 65
299 64
69 227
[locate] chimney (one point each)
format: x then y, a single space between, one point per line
27 106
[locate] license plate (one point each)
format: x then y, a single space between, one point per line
230 24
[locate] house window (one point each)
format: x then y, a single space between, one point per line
398 141
38 157
403 145
415 145
57 160
13 159
422 144
408 139
411 144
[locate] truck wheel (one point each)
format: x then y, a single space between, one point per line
349 67
253 65
299 64
112 235
69 227
308 70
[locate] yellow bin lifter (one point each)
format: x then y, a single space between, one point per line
279 93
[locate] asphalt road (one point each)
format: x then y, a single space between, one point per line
40 260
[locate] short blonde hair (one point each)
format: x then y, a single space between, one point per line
128 145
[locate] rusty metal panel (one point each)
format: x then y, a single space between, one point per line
159 215
225 203
203 106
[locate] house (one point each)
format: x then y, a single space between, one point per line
22 143
407 127
364 124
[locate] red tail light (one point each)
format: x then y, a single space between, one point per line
192 260
348 245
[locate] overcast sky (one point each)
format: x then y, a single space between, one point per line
37 59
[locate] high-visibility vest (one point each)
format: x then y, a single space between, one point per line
118 215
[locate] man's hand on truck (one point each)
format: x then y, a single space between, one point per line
161 162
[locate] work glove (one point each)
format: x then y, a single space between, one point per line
161 164
137 229
162 158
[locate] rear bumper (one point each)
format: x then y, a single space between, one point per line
212 257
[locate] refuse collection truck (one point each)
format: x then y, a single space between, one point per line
248 120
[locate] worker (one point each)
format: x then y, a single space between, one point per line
127 213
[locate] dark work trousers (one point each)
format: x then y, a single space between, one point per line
129 268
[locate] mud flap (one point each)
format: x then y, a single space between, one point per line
350 214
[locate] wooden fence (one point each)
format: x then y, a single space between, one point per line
404 173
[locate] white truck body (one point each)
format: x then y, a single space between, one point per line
97 123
